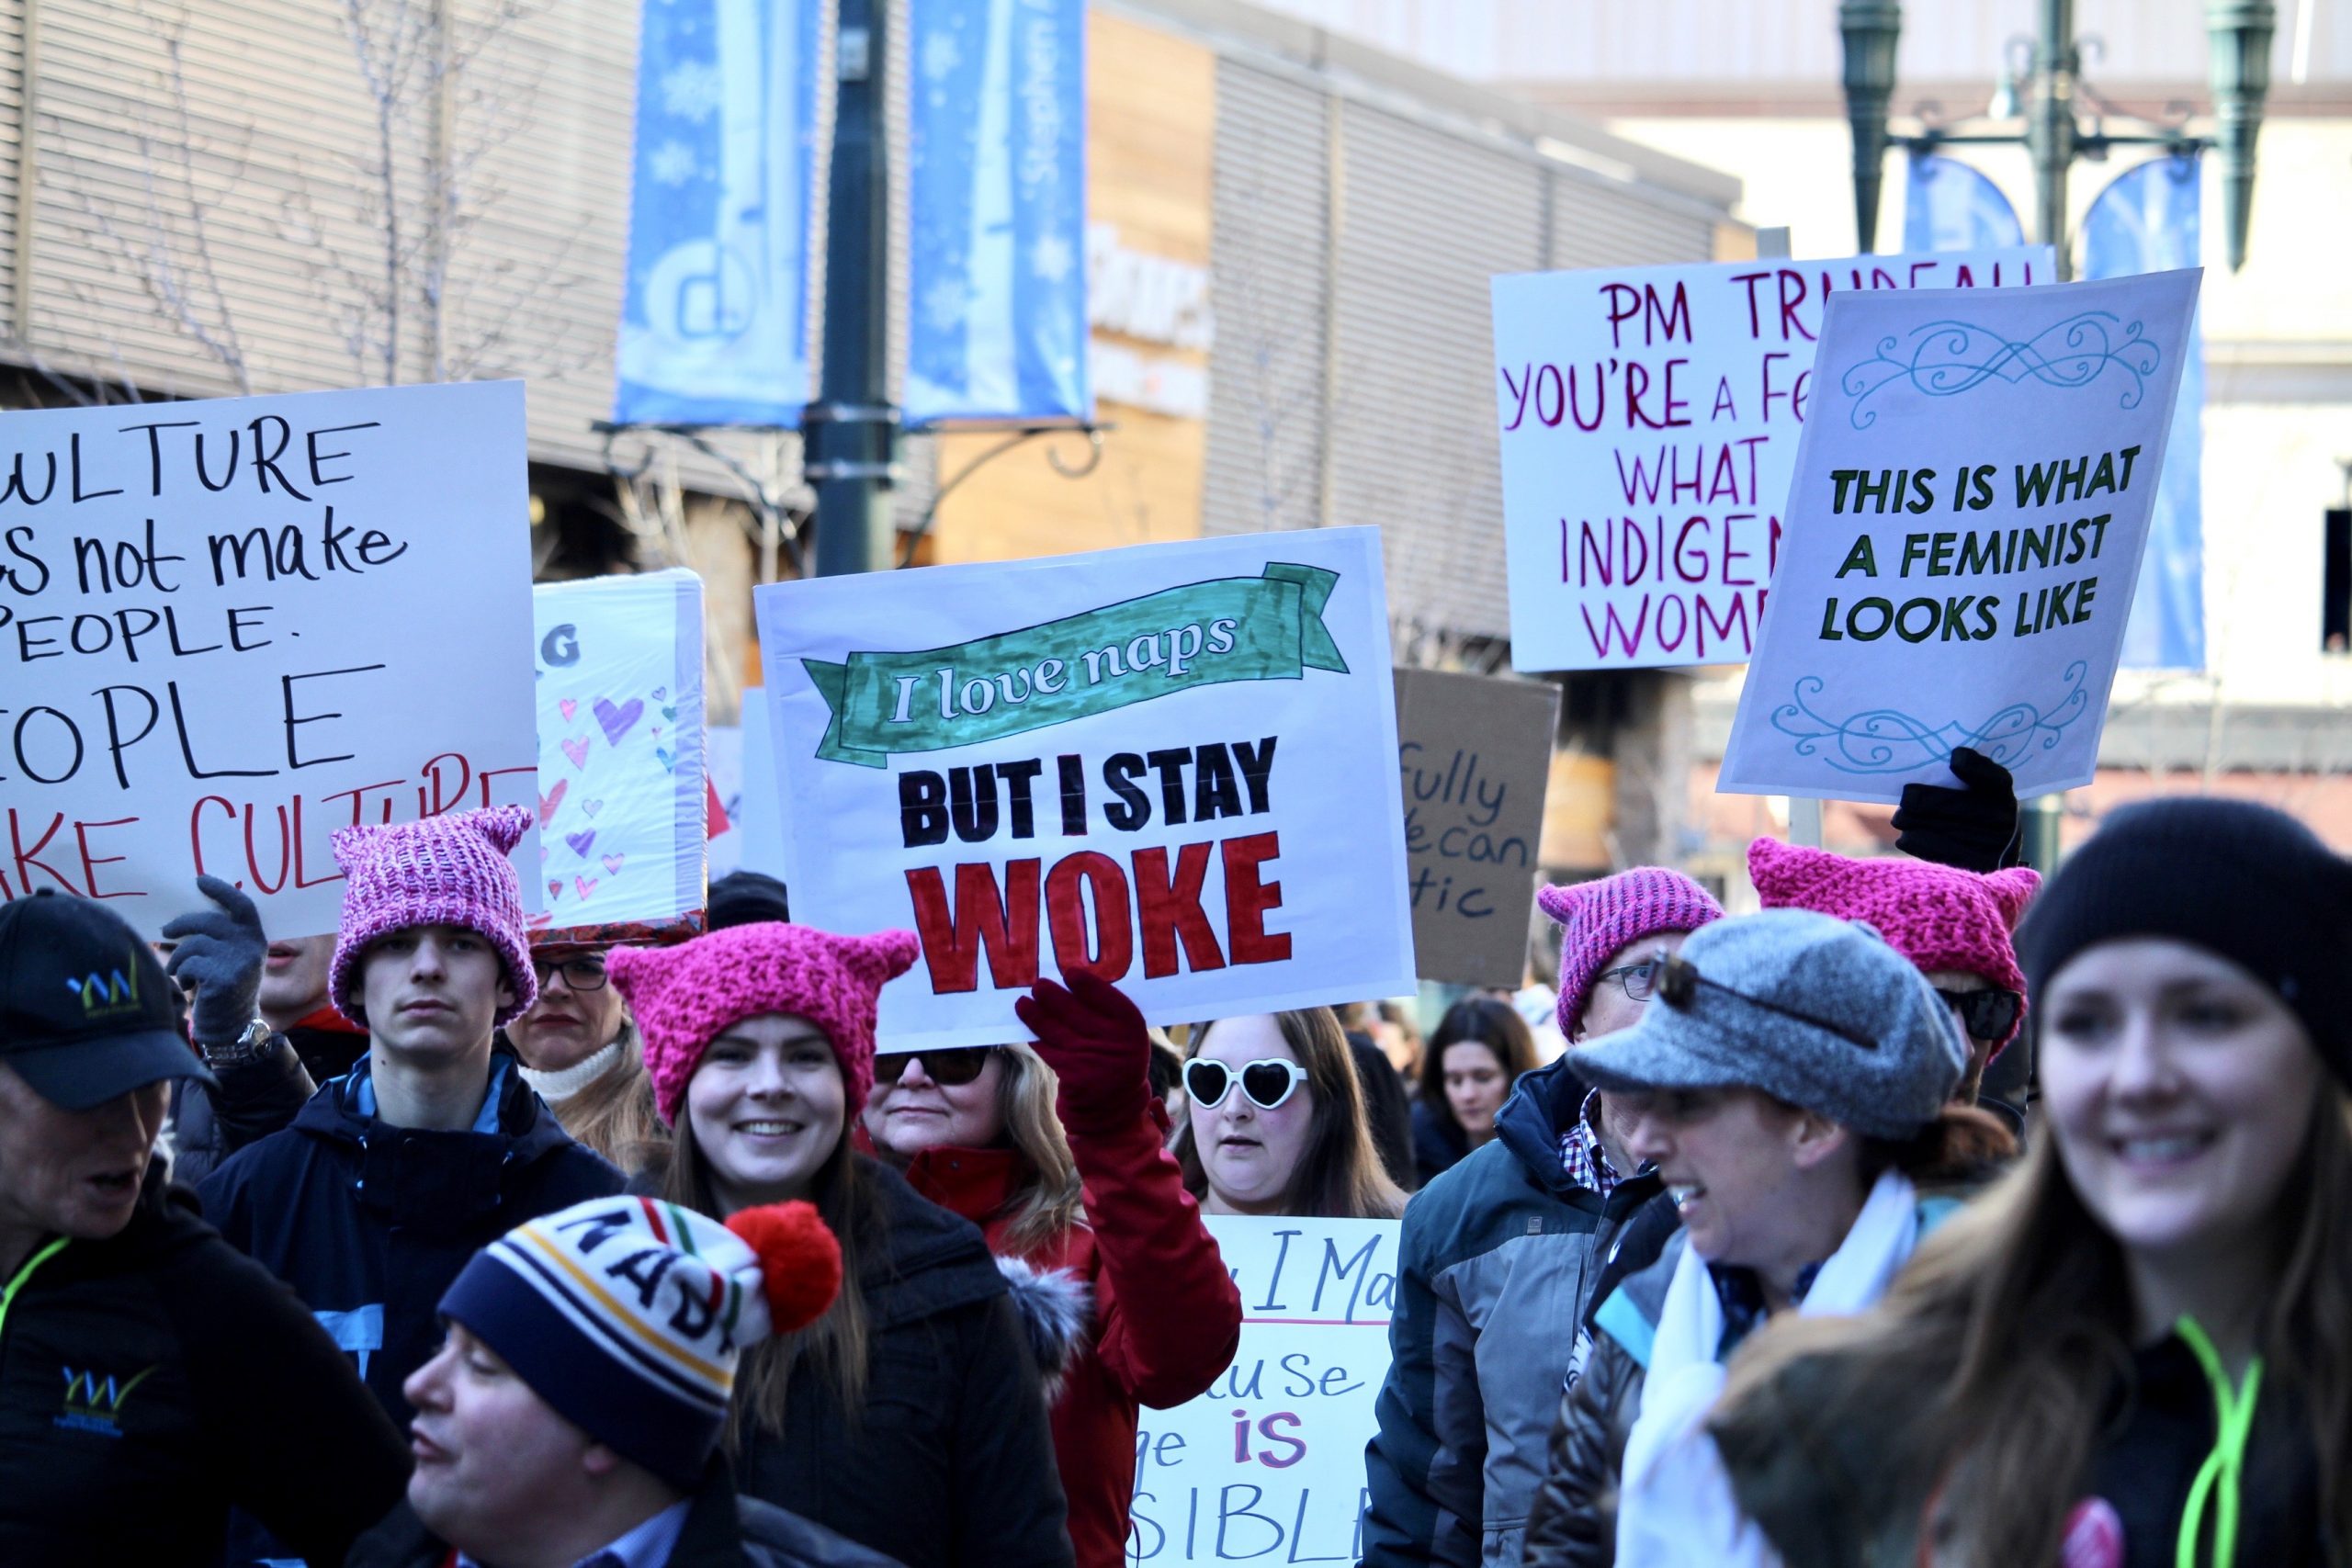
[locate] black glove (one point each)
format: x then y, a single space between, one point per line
1974 828
220 950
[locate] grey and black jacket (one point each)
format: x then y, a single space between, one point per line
1498 1266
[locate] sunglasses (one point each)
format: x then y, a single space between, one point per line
579 974
1987 1013
1268 1083
949 1068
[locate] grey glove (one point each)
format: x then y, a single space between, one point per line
221 953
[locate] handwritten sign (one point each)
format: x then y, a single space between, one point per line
228 629
1268 1465
1171 764
1475 754
1971 498
621 775
1649 423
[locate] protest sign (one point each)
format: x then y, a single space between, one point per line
621 779
1973 492
1649 422
230 627
1175 764
1475 754
760 826
1268 1465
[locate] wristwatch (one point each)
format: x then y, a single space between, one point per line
244 1048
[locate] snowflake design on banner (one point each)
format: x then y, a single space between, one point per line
671 164
944 302
692 90
1052 258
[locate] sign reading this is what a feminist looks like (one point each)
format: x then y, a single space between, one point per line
228 629
1972 497
1173 765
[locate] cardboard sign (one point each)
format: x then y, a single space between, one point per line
1972 497
1474 754
1268 1465
1649 424
621 778
1171 764
228 629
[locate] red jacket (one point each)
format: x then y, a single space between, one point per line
1166 1317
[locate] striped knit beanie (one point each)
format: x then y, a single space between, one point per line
1600 919
627 1315
439 871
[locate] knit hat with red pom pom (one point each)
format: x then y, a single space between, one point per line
440 871
683 997
627 1315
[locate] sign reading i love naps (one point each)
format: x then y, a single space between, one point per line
1173 765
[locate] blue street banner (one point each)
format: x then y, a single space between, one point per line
2150 220
998 193
715 317
1947 205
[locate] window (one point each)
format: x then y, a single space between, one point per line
2336 584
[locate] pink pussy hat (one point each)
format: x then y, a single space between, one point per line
1600 919
439 871
1938 917
683 997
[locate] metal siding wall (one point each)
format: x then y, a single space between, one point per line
12 138
1595 227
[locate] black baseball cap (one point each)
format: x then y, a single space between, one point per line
87 1012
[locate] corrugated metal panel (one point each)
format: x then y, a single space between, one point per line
1266 370
1428 219
12 137
1594 226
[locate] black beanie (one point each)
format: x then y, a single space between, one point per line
747 898
2240 880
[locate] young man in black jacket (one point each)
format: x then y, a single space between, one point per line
151 1378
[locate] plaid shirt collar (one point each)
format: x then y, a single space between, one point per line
1581 1153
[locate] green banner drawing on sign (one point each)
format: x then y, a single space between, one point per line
1202 634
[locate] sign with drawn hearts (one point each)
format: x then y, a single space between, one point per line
621 775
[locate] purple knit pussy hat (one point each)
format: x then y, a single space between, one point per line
441 870
1600 919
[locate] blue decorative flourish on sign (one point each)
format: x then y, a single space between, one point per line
1948 358
1885 741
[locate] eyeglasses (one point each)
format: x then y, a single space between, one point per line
949 1068
1636 980
1679 981
1268 1083
579 974
1987 1013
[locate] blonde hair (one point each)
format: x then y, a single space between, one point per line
1339 1176
612 1113
1049 1202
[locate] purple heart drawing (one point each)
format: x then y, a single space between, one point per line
661 693
578 752
617 721
613 863
581 841
570 705
586 885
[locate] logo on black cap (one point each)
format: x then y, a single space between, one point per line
109 996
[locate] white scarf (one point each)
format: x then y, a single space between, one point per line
559 1084
1676 1503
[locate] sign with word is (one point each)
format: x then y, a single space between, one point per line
228 629
1971 498
1268 1465
1649 421
1173 765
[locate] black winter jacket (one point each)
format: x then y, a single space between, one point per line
252 1100
950 1461
151 1381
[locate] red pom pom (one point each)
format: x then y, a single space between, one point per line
801 1261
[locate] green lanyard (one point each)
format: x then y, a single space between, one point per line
2218 1478
9 1294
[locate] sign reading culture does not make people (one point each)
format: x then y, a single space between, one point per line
1174 765
228 629
1649 420
1971 498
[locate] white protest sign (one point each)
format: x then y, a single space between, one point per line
1972 497
760 824
621 777
1174 765
228 629
1649 421
1268 1465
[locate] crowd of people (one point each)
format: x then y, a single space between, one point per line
1929 1215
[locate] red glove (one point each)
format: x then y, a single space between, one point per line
1095 1041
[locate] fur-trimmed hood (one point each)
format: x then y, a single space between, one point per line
1057 1313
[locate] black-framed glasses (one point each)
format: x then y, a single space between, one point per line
1268 1083
1636 980
1678 982
950 1068
585 974
1987 1012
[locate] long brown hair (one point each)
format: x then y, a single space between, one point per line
1050 1201
1339 1176
1977 1386
1475 1020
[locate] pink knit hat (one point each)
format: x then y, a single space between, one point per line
1937 915
439 871
1599 919
682 997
